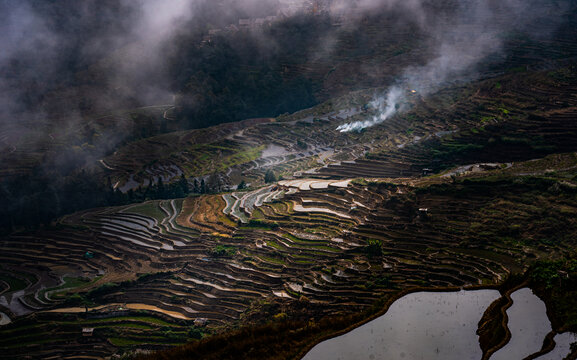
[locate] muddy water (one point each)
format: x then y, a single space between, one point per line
4 319
12 302
274 150
423 325
300 208
528 323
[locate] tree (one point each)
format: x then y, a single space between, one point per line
241 185
183 184
374 248
196 187
160 189
203 187
214 183
269 177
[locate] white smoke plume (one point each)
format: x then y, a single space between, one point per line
386 107
130 40
460 40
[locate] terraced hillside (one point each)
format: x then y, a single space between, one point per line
512 117
155 274
134 230
358 218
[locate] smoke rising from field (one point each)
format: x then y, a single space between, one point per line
459 41
68 58
64 63
386 107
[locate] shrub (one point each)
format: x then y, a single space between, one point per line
374 248
103 289
281 316
223 251
269 177
195 332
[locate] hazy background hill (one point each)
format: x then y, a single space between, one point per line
80 79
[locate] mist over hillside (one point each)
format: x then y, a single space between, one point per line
69 59
73 72
255 176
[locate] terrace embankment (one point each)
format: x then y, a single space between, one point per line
337 246
317 247
492 121
308 253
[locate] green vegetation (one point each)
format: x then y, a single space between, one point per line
111 287
374 248
196 332
269 177
275 260
113 320
127 326
150 209
280 338
223 251
260 224
480 225
215 157
556 282
15 283
70 283
168 340
360 181
240 157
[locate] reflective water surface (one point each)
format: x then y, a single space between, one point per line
423 325
562 347
528 323
4 319
443 325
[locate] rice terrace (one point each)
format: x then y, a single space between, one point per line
263 179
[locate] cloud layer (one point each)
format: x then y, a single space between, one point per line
465 34
119 51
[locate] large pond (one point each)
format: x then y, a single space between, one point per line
436 325
422 325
